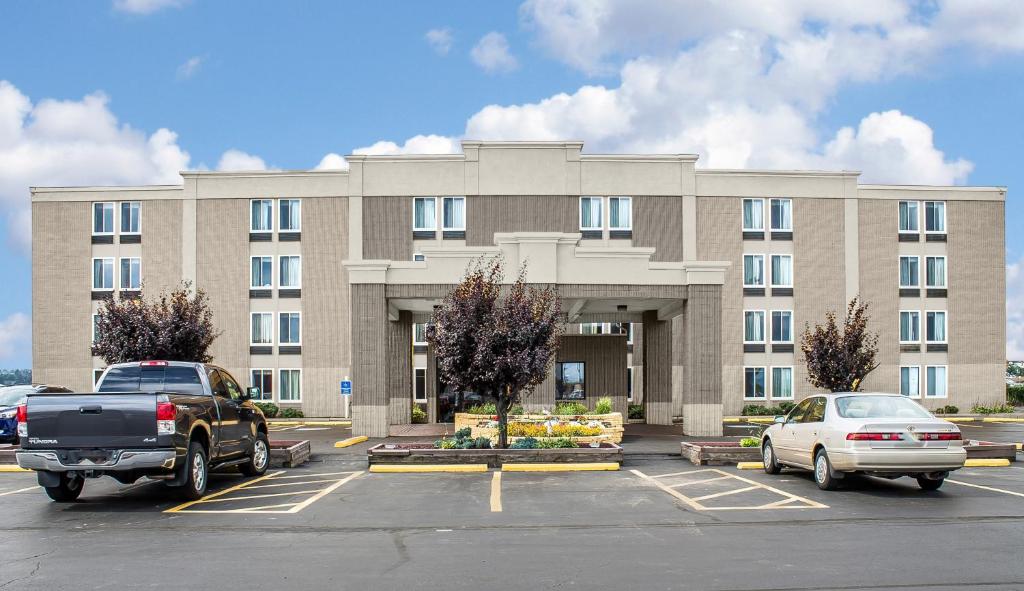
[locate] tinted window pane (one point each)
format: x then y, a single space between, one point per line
182 379
121 379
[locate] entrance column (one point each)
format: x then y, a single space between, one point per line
369 360
702 374
399 369
657 352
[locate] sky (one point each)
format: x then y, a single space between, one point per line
133 91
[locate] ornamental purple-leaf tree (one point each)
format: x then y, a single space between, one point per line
176 327
837 358
501 346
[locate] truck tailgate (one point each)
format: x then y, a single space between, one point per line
113 420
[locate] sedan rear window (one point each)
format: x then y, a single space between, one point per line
879 407
183 380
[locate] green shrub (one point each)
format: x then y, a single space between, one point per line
483 409
949 409
524 443
556 443
990 410
292 413
483 443
636 411
786 407
463 439
756 410
1015 394
419 415
269 409
603 406
570 408
750 442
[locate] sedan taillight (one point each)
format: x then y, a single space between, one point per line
939 436
874 437
22 420
166 413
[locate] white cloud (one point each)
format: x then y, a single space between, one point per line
190 67
146 6
332 161
1015 310
420 144
15 333
492 54
237 160
440 40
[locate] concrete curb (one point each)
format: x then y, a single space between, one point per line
567 467
13 468
749 466
983 463
426 468
351 441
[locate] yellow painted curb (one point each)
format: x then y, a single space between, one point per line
310 423
411 468
731 420
957 419
13 468
1002 420
980 463
580 467
761 420
351 441
749 466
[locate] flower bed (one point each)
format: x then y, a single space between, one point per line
289 454
581 428
718 453
426 453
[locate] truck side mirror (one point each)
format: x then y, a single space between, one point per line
252 393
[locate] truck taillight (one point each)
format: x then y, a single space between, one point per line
874 437
23 420
166 412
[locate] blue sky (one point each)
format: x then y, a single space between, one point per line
130 91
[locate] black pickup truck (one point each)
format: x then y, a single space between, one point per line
166 420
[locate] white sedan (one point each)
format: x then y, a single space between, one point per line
885 435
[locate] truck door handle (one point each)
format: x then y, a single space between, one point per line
94 409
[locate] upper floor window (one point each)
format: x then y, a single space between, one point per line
909 217
910 381
782 270
591 328
782 382
102 218
935 217
264 380
910 326
936 387
935 327
419 334
131 274
103 274
909 272
130 218
262 332
424 213
782 215
590 213
291 215
291 272
782 326
753 382
454 213
620 213
262 216
418 257
291 385
95 328
753 326
753 215
262 272
753 270
935 272
290 329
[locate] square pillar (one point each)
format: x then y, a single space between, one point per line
657 385
399 369
369 355
702 373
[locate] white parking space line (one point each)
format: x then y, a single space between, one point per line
726 493
741 485
681 484
271 480
988 488
20 490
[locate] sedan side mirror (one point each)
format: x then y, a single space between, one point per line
251 393
780 420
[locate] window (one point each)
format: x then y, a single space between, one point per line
590 213
290 332
910 326
102 218
782 270
909 272
103 274
936 327
591 328
782 326
262 329
264 380
418 256
262 272
753 270
96 375
782 215
936 387
131 274
629 384
753 326
753 382
569 381
291 272
910 381
753 215
95 328
130 222
909 217
424 214
419 334
620 213
629 333
782 383
815 411
935 272
291 385
262 216
454 213
420 383
935 217
291 215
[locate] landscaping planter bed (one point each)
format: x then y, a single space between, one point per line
288 454
424 453
718 453
988 450
611 424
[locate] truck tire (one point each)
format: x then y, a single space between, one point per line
196 473
259 458
68 489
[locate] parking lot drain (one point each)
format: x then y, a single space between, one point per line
426 468
569 467
983 463
749 465
351 441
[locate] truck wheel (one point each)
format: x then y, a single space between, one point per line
196 473
68 489
259 459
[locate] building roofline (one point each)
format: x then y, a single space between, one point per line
261 173
995 189
84 188
768 172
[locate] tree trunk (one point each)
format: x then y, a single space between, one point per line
502 417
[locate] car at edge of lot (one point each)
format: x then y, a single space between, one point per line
10 398
884 435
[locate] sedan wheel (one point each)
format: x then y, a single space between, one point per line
823 472
771 466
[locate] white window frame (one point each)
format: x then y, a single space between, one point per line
416 398
273 222
280 385
95 315
579 215
461 228
121 220
629 333
282 230
761 367
919 213
280 275
764 271
945 385
945 327
920 332
770 388
791 327
743 220
924 213
252 284
945 272
764 324
433 227
120 273
263 393
418 257
791 272
252 342
97 373
628 227
113 273
920 393
771 220
899 271
414 341
113 218
280 342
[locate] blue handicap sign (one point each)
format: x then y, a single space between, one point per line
346 387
